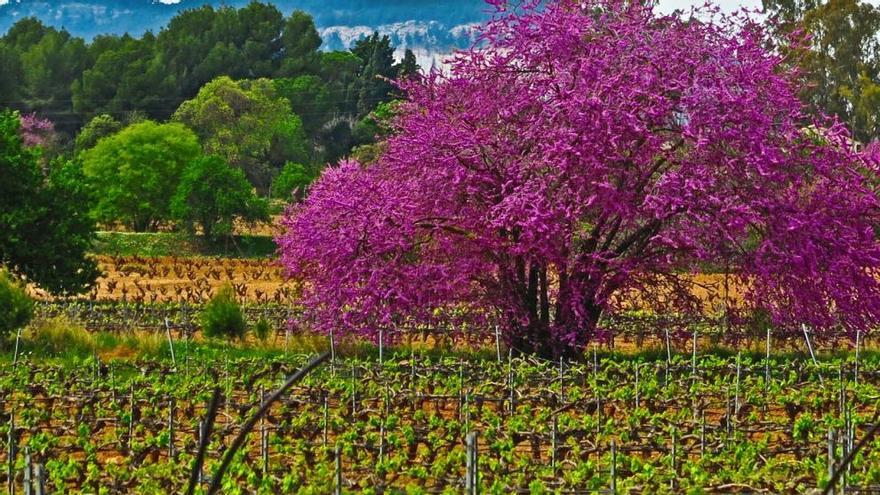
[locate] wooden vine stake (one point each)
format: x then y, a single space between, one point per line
498 343
510 380
673 459
130 416
264 447
332 351
337 458
39 480
561 381
856 367
353 390
554 442
28 481
637 385
812 354
736 389
767 363
831 449
702 433
171 428
381 354
472 469
460 390
613 467
170 343
11 453
15 355
326 418
668 356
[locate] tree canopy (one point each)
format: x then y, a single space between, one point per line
212 196
71 81
590 151
136 171
247 124
835 43
45 228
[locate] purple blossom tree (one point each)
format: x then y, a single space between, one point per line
581 153
36 131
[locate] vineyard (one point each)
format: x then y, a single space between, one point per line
611 247
399 423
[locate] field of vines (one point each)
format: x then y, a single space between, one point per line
648 423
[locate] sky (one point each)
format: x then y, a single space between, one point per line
665 5
726 5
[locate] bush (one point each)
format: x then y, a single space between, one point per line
16 307
262 329
212 195
293 177
59 337
222 316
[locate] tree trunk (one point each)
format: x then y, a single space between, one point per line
563 335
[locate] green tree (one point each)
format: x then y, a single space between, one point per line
45 228
309 98
198 45
99 127
301 41
48 68
293 177
16 307
373 86
135 171
408 67
126 76
10 75
248 125
212 195
840 57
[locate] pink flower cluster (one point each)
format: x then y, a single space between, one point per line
36 131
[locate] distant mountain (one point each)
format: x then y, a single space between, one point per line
431 28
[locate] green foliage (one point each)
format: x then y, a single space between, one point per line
44 226
135 171
182 244
247 124
70 81
841 59
301 41
48 68
293 178
309 98
372 86
262 329
59 337
222 316
376 126
408 67
99 127
16 307
212 195
125 75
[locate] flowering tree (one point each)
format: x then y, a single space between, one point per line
581 152
36 131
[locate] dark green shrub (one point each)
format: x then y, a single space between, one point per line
222 316
262 329
16 307
293 178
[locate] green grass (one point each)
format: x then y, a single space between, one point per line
181 244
